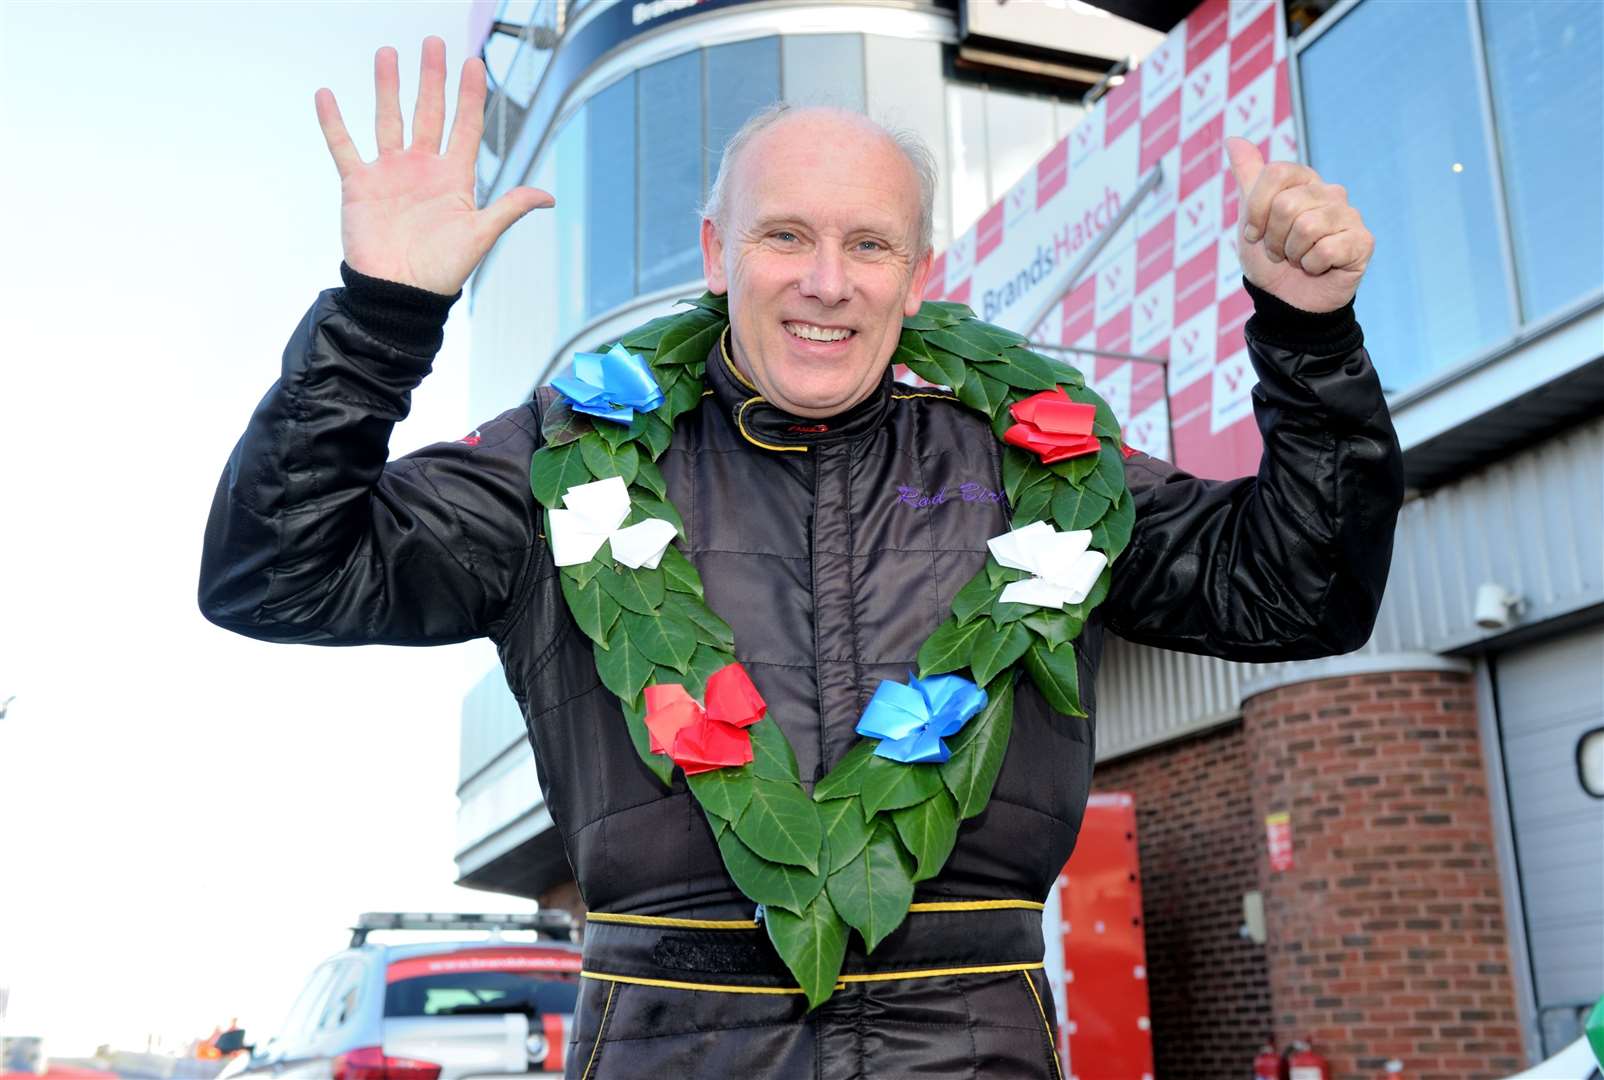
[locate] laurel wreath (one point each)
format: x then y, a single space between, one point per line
850 855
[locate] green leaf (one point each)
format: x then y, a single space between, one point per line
1083 610
945 369
722 792
948 648
553 470
1032 505
1052 626
1055 674
973 347
891 785
613 434
661 765
921 321
1111 534
873 891
707 627
650 506
1002 614
973 598
1077 509
663 640
981 391
682 397
684 326
1105 424
560 424
623 669
1065 374
1023 370
1108 478
929 830
694 348
592 608
604 461
640 591
769 883
977 751
717 303
1020 470
946 311
843 780
812 944
680 574
845 830
645 338
707 661
656 432
650 477
781 824
1076 469
995 650
772 756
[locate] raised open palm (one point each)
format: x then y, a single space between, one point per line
409 215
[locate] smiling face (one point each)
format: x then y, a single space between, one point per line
819 252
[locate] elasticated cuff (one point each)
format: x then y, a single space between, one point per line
404 316
1276 320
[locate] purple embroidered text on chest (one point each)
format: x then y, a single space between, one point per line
969 492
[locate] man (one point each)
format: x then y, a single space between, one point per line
787 477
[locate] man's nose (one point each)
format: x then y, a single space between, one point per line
827 278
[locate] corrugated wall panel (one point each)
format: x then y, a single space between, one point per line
1533 523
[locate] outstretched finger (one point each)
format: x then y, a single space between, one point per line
387 100
346 158
469 123
499 216
429 116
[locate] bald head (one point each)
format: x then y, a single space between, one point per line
781 120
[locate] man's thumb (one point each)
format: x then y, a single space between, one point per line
1246 163
513 205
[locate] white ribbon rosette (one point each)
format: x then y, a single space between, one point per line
1062 566
593 517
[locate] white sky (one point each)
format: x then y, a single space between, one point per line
188 819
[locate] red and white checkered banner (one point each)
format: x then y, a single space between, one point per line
1167 285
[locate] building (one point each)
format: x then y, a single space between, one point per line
1433 800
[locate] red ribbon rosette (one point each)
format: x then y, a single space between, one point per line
700 740
1052 426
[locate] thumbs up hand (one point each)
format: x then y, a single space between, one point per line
1299 240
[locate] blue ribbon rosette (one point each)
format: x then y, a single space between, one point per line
613 385
912 719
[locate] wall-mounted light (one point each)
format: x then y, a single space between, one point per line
1496 606
1114 77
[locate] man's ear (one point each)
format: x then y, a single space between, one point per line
916 286
713 258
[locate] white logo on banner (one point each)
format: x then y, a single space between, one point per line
1197 223
1021 198
1203 91
1160 202
1252 112
1153 316
1086 138
1243 12
1149 430
1228 269
1115 388
960 260
1116 284
1192 348
1162 69
1233 383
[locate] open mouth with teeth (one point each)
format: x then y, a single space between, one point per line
812 332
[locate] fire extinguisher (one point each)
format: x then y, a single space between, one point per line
1267 1065
1305 1064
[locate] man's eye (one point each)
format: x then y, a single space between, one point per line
870 245
785 236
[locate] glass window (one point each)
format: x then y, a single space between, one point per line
297 1026
741 79
966 152
1390 93
824 69
482 993
344 999
670 111
1019 130
1548 93
610 212
568 153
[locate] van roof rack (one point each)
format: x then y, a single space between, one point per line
556 924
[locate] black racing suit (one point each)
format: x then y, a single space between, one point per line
833 553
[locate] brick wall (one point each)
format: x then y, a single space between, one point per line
1209 988
1387 935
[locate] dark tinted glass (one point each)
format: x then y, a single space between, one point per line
741 79
670 111
482 993
610 211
